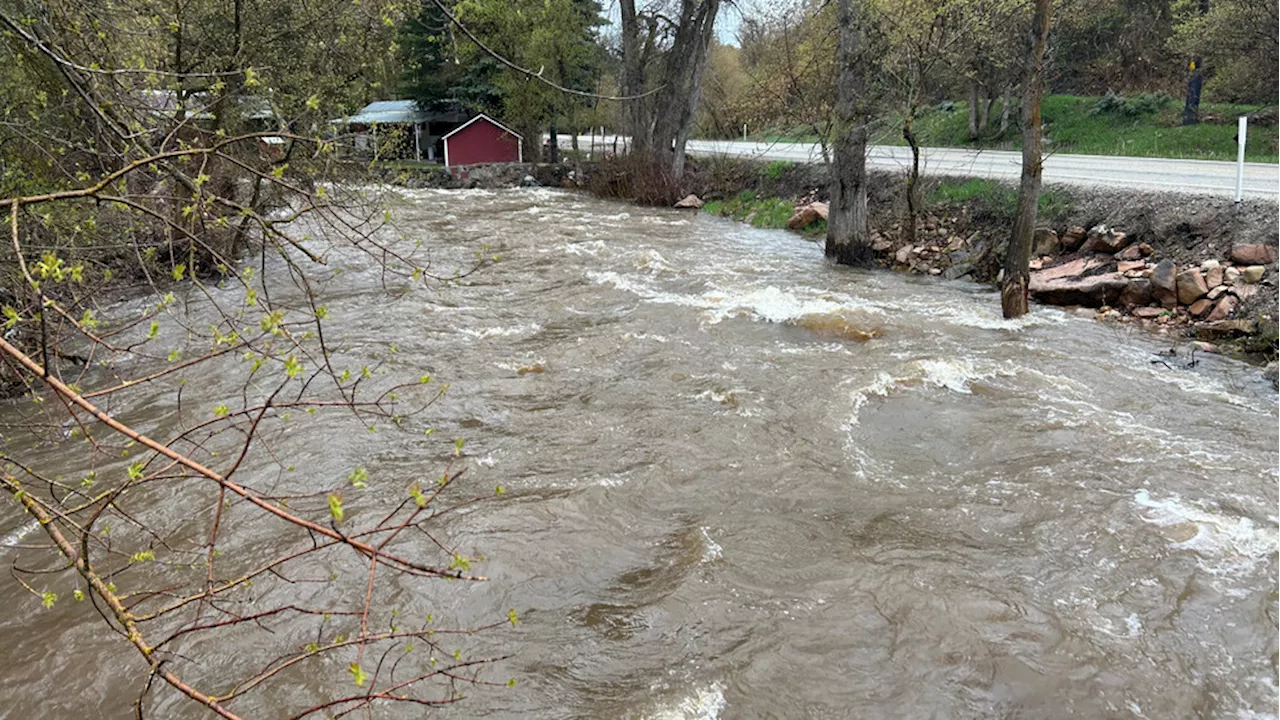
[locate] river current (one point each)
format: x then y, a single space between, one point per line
742 482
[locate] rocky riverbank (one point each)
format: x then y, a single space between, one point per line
1195 268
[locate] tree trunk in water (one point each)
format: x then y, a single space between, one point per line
573 139
973 110
554 143
847 231
1017 274
913 178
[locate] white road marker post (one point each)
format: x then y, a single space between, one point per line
1240 134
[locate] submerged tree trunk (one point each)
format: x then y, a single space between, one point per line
913 178
1017 275
553 143
847 230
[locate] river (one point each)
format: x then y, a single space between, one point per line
742 482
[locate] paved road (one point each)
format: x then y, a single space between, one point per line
1261 180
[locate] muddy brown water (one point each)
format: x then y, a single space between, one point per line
744 483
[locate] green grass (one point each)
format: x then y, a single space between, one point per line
767 212
1146 128
1074 127
999 199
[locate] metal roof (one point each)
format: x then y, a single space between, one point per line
387 111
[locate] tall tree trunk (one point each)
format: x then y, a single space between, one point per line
682 79
1191 108
1005 102
553 146
913 177
973 109
984 109
847 231
1017 264
635 114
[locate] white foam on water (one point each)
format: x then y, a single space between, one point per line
16 536
492 332
711 550
1226 545
952 374
704 704
774 305
587 247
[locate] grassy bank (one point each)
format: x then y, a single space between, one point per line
1141 126
761 212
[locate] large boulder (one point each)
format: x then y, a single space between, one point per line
691 202
1136 293
1072 238
1164 283
807 215
1214 276
1045 242
1191 286
1220 329
1253 254
1092 291
1223 309
1107 240
1272 372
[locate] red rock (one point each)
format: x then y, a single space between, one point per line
1145 249
1164 285
1136 292
807 215
1226 305
1214 277
1074 268
1148 312
692 202
1253 254
1092 291
1072 238
1200 307
1133 252
1045 242
1191 286
1127 265
1104 240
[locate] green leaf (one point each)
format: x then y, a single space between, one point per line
135 470
335 507
359 477
220 410
358 674
512 617
47 599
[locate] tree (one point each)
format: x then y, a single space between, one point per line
663 64
1235 44
1195 83
1014 286
181 532
848 234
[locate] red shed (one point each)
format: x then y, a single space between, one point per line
482 140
